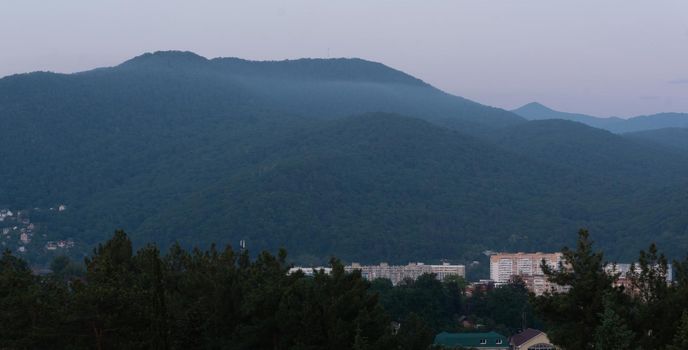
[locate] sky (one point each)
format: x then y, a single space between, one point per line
606 58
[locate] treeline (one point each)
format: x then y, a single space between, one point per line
192 300
122 299
224 299
599 313
446 306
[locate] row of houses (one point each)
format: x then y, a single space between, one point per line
20 233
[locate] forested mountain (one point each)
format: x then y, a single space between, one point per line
536 111
325 88
337 157
671 137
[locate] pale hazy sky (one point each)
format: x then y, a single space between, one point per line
604 57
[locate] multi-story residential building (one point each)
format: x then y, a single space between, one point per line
504 266
398 273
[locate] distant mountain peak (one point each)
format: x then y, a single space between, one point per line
166 58
535 106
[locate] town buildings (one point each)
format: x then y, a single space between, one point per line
624 271
395 273
398 273
527 266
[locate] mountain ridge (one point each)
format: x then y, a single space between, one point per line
538 111
292 154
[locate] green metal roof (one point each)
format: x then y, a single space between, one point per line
471 340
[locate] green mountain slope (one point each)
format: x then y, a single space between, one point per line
369 187
385 187
175 147
582 148
670 137
73 135
328 88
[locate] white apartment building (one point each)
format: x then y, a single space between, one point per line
398 273
504 266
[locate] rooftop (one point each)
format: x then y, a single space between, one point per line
472 340
524 336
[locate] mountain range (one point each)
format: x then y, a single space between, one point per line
537 111
325 157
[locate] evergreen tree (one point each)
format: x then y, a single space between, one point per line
612 333
414 334
16 302
109 306
203 299
680 340
572 315
655 314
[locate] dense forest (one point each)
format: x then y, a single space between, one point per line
340 157
670 137
120 298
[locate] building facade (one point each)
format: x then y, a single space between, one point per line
398 273
504 266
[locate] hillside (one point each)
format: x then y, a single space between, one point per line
308 155
326 88
104 124
388 187
676 138
536 111
369 187
595 152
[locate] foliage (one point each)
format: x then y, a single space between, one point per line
437 303
612 332
201 299
442 306
576 312
506 308
649 314
680 340
173 147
